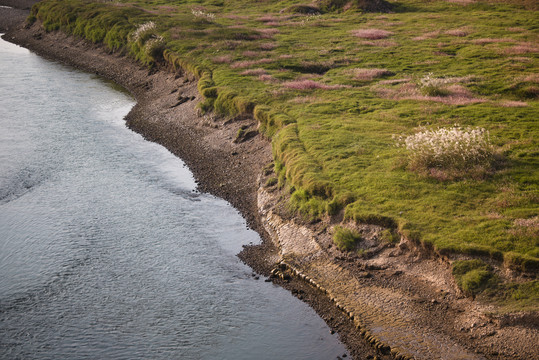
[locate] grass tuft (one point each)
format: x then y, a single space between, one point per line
457 151
345 239
473 276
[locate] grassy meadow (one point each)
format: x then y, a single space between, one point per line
335 85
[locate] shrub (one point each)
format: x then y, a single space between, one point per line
345 239
456 151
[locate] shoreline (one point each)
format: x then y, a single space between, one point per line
218 166
231 170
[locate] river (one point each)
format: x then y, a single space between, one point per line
107 251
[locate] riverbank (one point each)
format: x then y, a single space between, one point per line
221 166
230 169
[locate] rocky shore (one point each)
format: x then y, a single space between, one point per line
396 302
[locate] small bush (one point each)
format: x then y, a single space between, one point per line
345 239
456 150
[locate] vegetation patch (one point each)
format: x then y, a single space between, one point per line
331 89
473 276
346 239
450 153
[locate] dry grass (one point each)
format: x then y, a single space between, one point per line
267 78
371 34
236 17
250 53
522 48
247 63
533 78
461 2
304 99
527 227
454 94
268 18
367 74
254 72
426 36
267 46
516 29
512 103
491 41
310 85
458 32
269 31
381 43
224 59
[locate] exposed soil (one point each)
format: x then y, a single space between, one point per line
231 168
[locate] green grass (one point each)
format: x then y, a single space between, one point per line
331 130
345 239
473 276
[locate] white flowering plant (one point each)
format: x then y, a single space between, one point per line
434 86
143 32
197 13
449 153
146 44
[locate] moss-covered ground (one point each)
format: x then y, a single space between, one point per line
331 86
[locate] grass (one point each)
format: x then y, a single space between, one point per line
345 239
331 88
473 276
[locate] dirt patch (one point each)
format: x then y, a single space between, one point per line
401 298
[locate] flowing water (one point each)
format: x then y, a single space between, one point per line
106 248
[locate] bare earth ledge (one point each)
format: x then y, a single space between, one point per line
401 301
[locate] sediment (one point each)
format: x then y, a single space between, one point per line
396 303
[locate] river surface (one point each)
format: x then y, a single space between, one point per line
106 249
